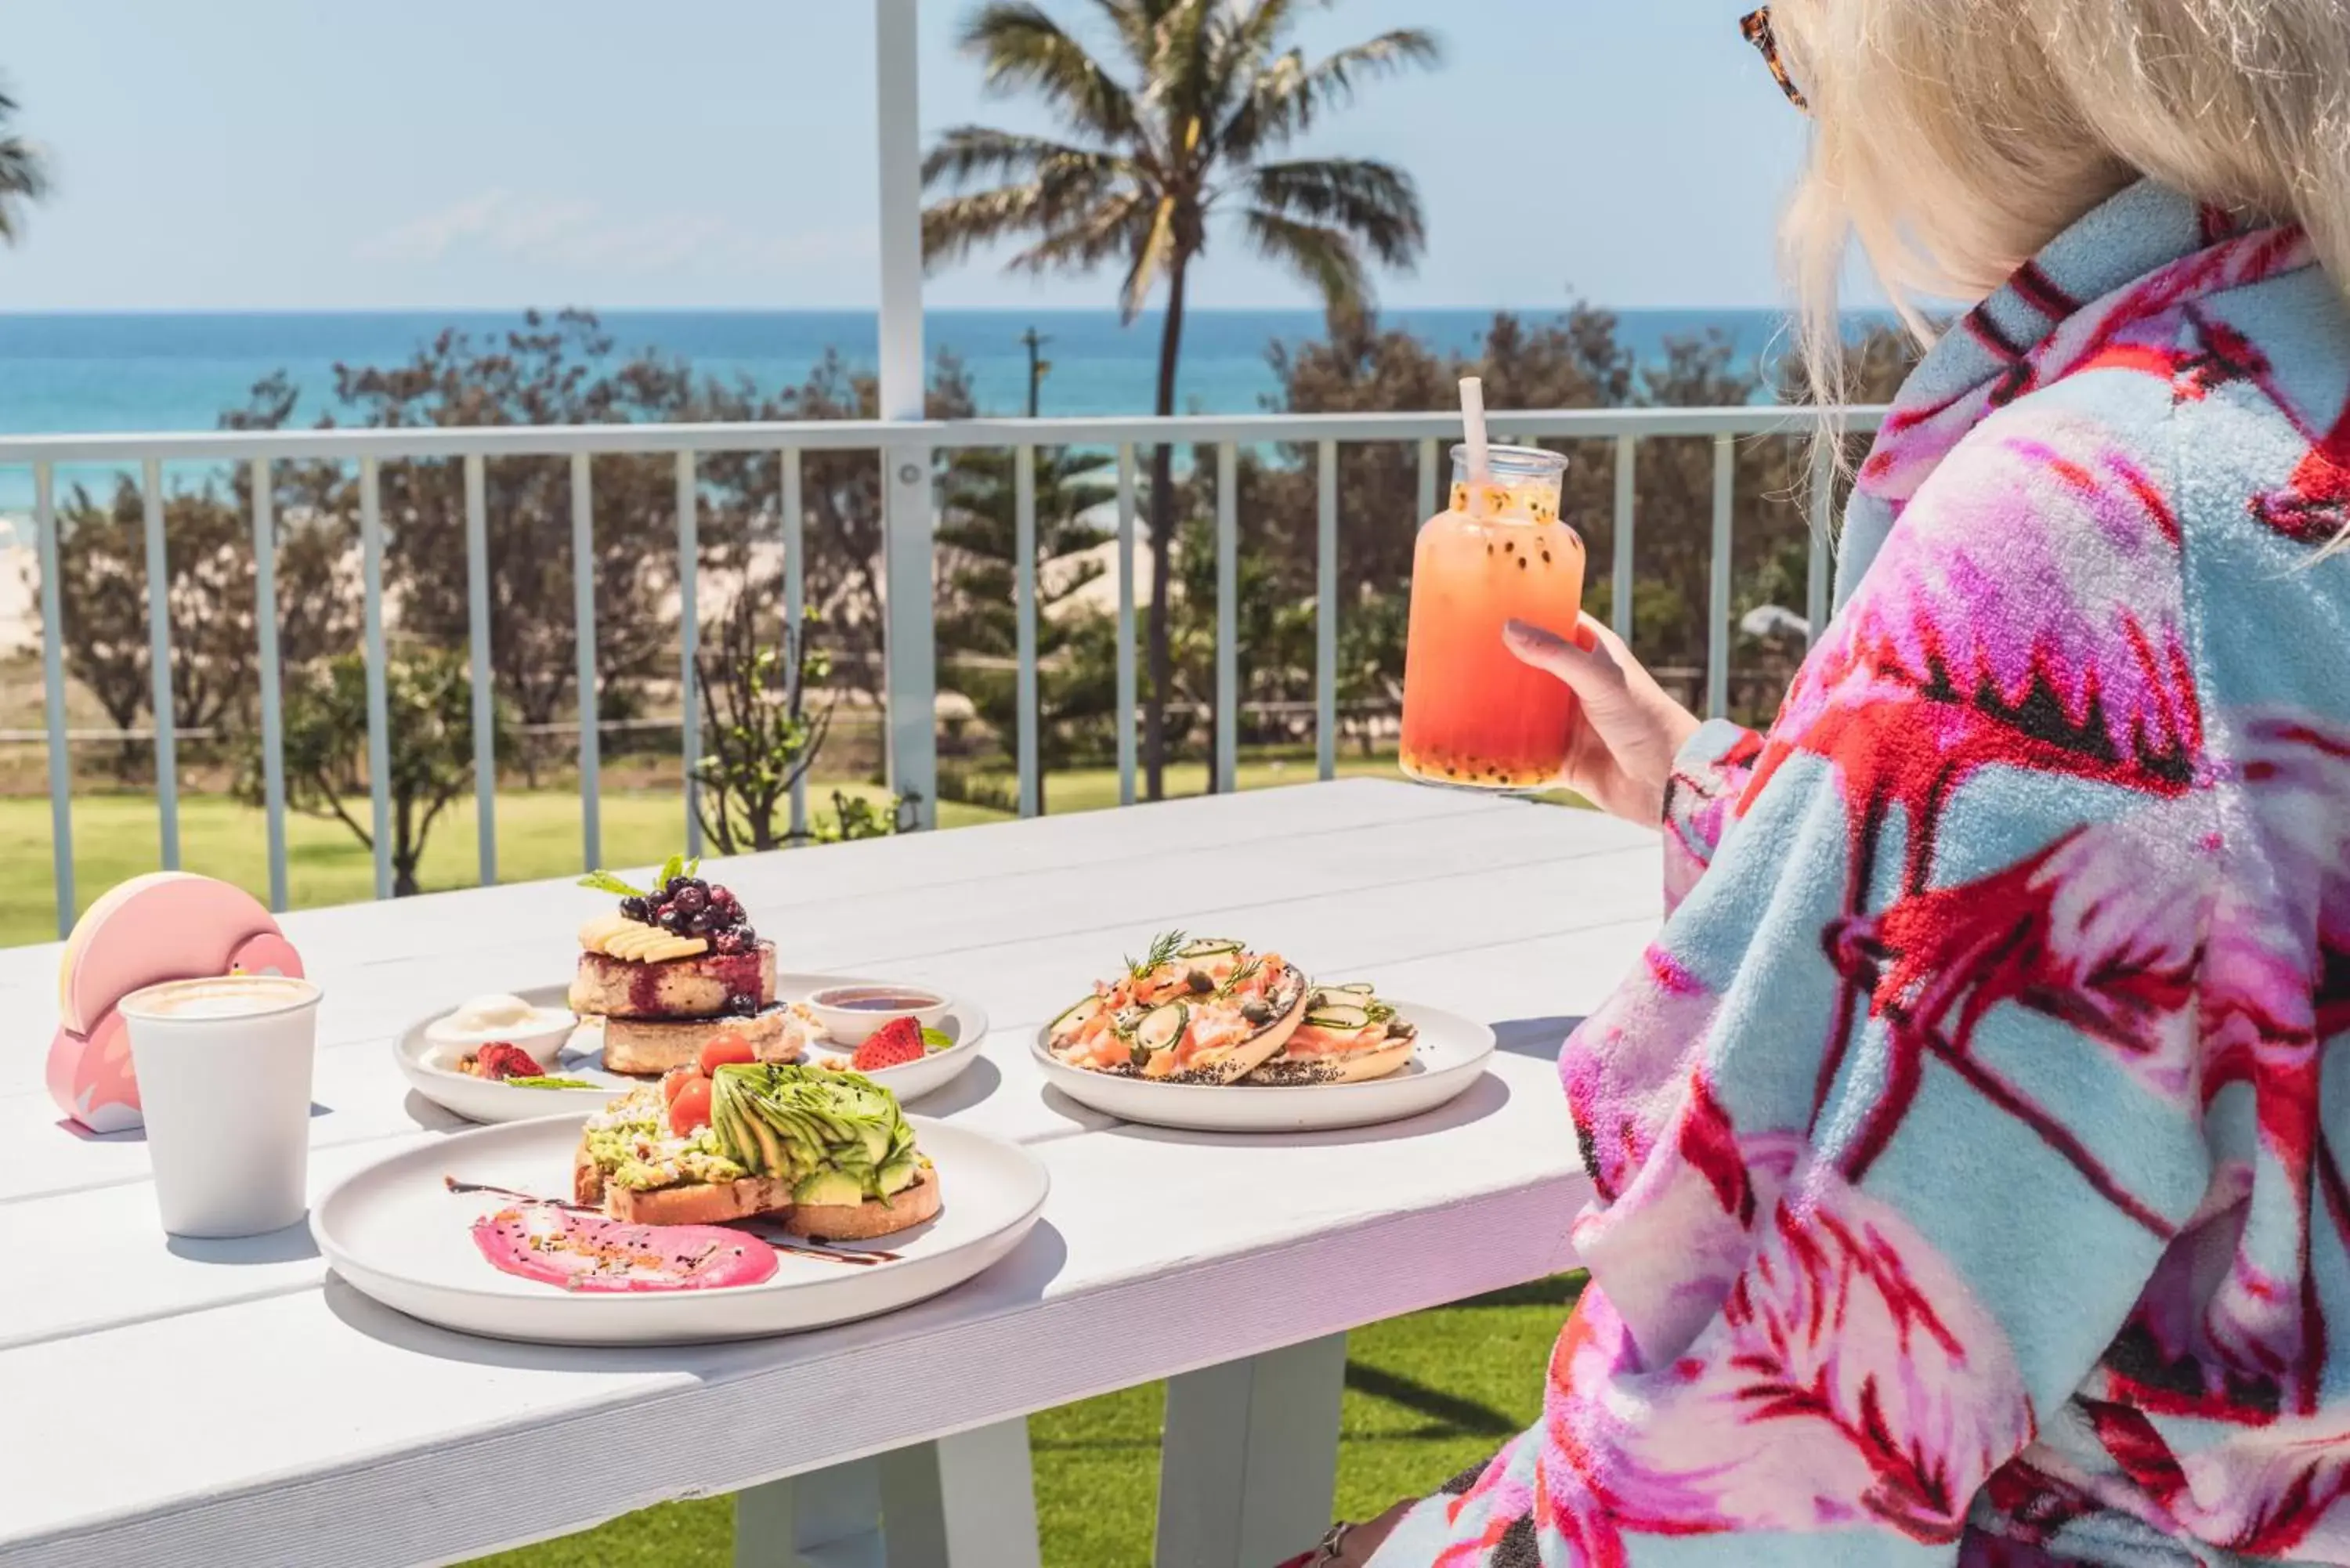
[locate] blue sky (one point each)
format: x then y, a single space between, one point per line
293 154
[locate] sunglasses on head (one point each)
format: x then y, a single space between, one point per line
1756 26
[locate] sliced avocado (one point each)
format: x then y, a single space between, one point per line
1163 1027
829 1187
1339 1020
899 1174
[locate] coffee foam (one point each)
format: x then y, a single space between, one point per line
220 996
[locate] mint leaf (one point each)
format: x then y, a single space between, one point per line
673 866
935 1040
604 882
546 1083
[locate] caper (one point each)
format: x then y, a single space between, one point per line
1199 982
1256 1012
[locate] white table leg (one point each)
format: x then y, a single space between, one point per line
968 1501
1249 1467
964 1501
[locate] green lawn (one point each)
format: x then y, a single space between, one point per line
1426 1396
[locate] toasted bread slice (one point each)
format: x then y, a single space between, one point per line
703 986
648 1047
1234 1062
695 1203
902 1210
1348 1067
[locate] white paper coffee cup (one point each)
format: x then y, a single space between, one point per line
223 1070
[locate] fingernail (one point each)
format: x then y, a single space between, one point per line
1533 634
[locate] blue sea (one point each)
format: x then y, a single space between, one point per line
82 373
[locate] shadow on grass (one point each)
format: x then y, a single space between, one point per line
1559 1291
1449 1416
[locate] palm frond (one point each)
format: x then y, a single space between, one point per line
1020 46
1324 257
1374 204
23 176
1111 229
1286 96
970 152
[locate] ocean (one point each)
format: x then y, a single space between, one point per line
85 373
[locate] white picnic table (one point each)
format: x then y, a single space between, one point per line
188 1403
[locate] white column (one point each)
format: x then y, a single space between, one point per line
964 1501
907 495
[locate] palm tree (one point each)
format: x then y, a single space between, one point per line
23 175
1209 94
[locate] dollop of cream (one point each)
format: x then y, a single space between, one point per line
498 1017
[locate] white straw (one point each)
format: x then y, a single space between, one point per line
1472 423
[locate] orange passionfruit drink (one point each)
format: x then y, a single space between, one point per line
1473 716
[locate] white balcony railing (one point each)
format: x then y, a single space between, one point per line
912 762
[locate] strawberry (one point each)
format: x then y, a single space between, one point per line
501 1060
893 1045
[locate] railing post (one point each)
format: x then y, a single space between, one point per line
1628 490
583 614
688 636
910 652
1024 615
1718 634
1325 613
1428 458
264 621
486 691
794 610
159 655
378 705
1126 678
1228 635
53 697
1822 556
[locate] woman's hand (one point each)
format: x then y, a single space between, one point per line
1622 751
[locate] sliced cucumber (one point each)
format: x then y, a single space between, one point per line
1354 988
1207 947
1339 1020
1163 1027
1075 1017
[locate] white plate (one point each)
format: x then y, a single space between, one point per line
395 1232
431 1069
1450 1055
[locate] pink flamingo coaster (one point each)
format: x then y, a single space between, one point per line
167 925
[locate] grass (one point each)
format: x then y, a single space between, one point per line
116 836
1426 1396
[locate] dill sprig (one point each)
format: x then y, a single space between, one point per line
1378 1012
1162 953
1241 976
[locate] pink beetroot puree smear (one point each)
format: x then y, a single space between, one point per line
579 1252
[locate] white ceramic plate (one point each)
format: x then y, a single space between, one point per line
432 1068
395 1232
1450 1055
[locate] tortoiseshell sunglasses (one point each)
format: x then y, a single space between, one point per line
1756 26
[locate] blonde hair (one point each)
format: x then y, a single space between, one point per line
1953 138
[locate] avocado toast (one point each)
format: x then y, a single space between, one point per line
1347 1035
827 1154
1190 1010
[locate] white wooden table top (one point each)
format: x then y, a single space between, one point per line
231 1401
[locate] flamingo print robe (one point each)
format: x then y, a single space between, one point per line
1967 1190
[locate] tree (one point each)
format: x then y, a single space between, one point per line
979 527
430 708
23 175
758 736
1210 97
209 594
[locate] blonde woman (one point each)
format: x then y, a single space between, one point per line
1973 1149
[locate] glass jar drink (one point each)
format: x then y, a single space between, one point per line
1473 716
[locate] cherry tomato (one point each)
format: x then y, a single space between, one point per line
675 1079
691 1109
725 1051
